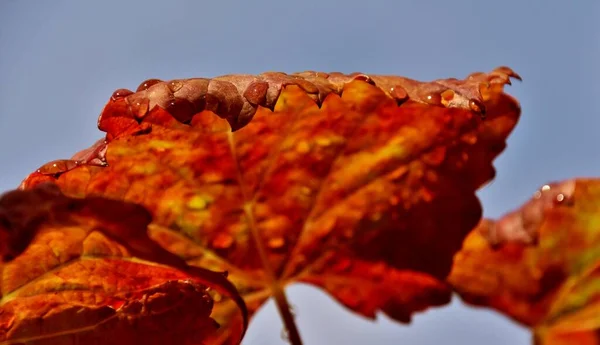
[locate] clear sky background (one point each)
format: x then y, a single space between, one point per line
61 60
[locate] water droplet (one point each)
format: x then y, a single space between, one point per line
293 310
447 95
542 191
398 93
139 108
147 83
58 167
276 243
285 336
303 147
181 109
477 106
256 92
222 241
364 77
175 85
560 198
433 99
120 93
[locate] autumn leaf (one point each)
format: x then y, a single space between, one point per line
543 267
361 185
69 276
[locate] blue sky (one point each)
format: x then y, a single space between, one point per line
61 60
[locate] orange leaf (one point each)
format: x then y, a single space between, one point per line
71 276
544 267
362 185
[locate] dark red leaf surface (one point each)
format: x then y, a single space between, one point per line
85 271
361 185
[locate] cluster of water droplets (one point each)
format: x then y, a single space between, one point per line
180 108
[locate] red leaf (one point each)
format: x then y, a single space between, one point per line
367 195
549 284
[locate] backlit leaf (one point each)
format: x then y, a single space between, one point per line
361 185
85 271
544 270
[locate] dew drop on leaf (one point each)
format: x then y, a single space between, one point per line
434 99
541 191
365 78
285 336
256 92
58 167
147 83
293 310
120 93
399 94
175 85
181 109
477 106
139 108
447 95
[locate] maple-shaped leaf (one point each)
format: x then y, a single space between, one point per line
361 185
69 276
540 264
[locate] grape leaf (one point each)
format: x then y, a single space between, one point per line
542 267
68 275
361 185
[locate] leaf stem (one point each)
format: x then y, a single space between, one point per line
276 289
283 306
293 336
